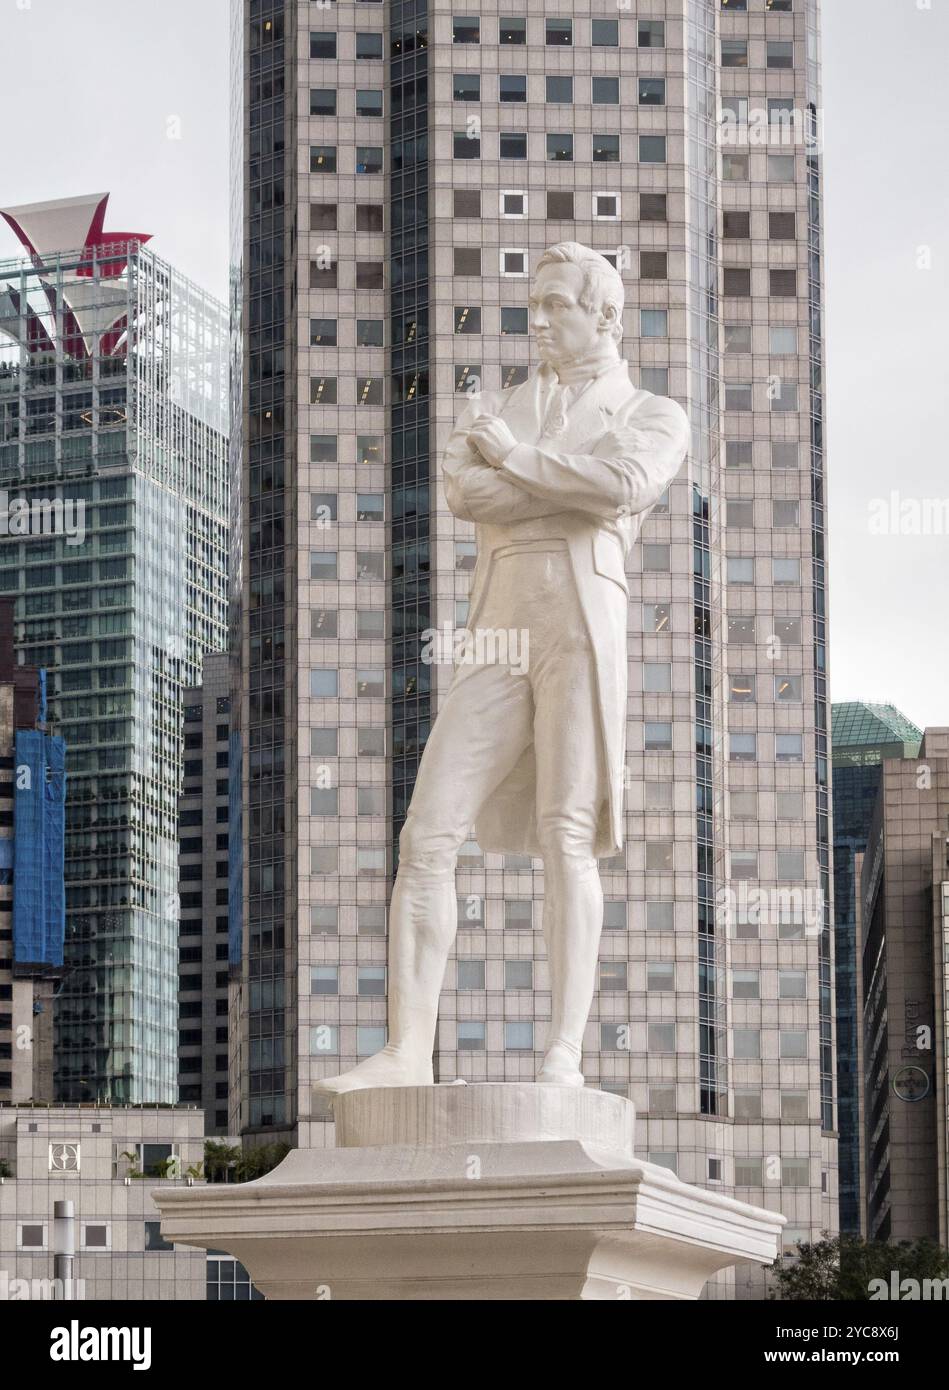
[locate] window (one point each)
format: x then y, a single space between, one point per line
514 262
659 856
738 396
782 226
465 146
788 748
322 217
322 159
370 1038
605 91
322 333
33 1236
323 565
656 556
518 974
467 319
734 53
793 1045
784 455
784 513
369 333
652 91
652 207
661 1037
737 337
559 90
739 513
324 921
369 45
559 206
787 689
559 31
604 33
782 342
323 45
740 569
742 748
780 53
512 87
785 571
370 276
660 976
466 29
368 159
747 1104
466 86
736 225
736 282
322 390
748 1171
654 323
154 1240
369 102
324 683
652 33
323 277
371 980
613 976
470 1037
512 145
657 677
323 448
782 284
512 30
470 974
793 1105
467 260
324 742
747 1043
322 101
560 146
734 166
466 202
514 321
780 168
652 149
95 1237
744 806
324 979
743 863
653 265
606 206
792 984
745 984
518 913
370 506
605 149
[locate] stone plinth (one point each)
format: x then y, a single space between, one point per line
481 1192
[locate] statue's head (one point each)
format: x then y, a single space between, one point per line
576 302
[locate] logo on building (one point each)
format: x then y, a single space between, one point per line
64 1158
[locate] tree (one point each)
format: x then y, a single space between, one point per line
220 1159
842 1267
254 1163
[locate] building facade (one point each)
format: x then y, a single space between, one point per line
902 979
113 405
403 166
862 735
203 867
32 886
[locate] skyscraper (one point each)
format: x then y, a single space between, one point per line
403 167
902 936
862 735
113 397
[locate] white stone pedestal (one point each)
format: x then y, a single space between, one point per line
483 1192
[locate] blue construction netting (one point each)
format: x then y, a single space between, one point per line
39 897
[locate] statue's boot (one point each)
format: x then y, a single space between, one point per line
572 919
422 921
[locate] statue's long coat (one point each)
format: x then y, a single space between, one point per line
593 485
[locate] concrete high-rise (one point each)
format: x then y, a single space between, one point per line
113 405
401 168
902 935
862 735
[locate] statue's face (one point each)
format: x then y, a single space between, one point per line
564 329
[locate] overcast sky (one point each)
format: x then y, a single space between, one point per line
131 97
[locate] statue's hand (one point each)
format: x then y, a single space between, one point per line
492 439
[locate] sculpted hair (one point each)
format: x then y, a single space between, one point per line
602 284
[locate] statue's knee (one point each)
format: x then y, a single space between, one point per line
426 848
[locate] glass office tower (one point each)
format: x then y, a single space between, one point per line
403 167
113 395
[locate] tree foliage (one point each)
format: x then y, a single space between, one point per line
842 1267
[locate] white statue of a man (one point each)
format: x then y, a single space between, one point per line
558 475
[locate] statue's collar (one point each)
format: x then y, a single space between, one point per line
579 373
